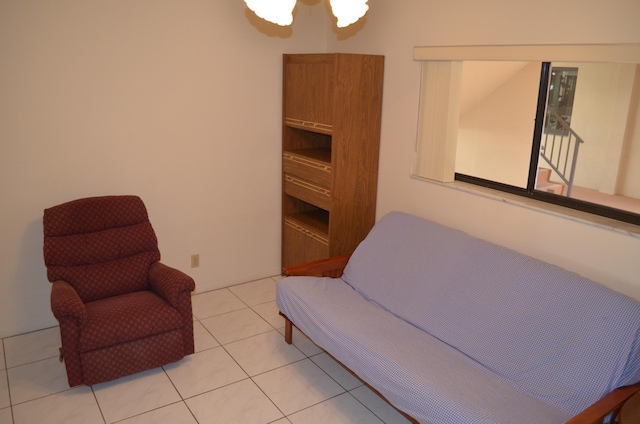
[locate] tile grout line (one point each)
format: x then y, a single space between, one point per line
93 392
6 371
183 400
251 378
346 391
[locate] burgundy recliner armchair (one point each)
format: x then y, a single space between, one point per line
120 310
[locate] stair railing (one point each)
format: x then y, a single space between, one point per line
559 147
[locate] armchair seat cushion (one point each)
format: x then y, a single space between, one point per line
127 317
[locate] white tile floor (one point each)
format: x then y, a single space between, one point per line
242 372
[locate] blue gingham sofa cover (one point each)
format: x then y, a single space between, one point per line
453 329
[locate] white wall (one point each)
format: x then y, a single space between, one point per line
394 28
176 101
179 102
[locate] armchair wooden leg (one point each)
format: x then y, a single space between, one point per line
61 357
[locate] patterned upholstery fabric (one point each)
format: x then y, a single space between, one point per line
127 317
87 239
129 358
166 282
120 310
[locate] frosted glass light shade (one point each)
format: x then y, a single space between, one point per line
348 11
279 12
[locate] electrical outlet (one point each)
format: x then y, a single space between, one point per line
195 261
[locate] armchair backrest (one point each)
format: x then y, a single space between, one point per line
101 246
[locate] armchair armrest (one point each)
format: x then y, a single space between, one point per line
330 267
66 303
169 283
611 402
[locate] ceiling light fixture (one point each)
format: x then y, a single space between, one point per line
280 12
277 11
348 11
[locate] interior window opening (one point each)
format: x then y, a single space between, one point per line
579 146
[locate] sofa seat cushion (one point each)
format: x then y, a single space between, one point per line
416 372
126 317
558 336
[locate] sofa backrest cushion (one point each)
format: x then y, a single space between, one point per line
558 336
102 246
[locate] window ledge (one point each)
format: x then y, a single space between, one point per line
539 206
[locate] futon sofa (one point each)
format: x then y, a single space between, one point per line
449 328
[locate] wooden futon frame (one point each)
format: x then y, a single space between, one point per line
333 267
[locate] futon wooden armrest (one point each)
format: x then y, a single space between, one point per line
612 402
330 267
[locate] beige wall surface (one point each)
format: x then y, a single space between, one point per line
495 134
600 114
395 28
629 178
180 103
177 102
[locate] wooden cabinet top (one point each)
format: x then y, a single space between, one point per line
320 88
